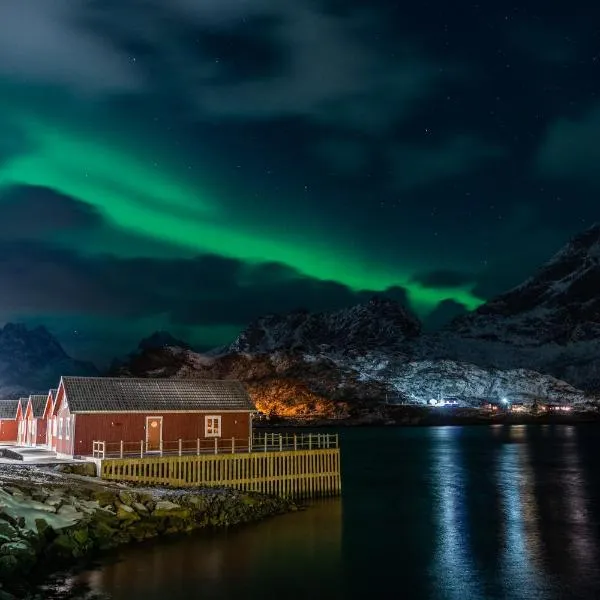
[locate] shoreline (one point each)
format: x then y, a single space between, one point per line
420 416
51 522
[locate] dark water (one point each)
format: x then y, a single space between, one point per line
449 512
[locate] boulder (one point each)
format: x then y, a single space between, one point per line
20 550
165 508
126 513
86 469
140 509
64 546
55 501
127 497
43 528
8 533
105 497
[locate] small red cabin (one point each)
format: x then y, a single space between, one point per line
34 418
150 411
47 417
8 420
21 423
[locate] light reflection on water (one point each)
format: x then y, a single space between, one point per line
221 565
508 512
454 574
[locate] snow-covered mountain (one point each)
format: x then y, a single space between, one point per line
32 361
380 324
420 381
550 323
537 341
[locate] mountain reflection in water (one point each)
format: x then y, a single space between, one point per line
502 512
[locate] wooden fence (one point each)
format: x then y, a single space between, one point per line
299 474
259 442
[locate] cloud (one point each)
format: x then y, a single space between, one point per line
415 166
570 148
47 42
333 75
443 278
235 59
27 212
37 278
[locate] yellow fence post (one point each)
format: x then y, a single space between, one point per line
141 448
198 446
232 445
121 449
297 474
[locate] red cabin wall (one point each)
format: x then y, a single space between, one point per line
41 432
131 427
61 443
8 430
20 439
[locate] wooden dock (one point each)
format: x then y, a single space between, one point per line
300 467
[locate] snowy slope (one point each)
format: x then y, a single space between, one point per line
377 324
420 381
551 322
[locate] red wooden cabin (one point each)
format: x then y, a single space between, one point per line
47 417
150 411
21 423
34 419
8 420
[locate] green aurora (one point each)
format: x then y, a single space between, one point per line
159 200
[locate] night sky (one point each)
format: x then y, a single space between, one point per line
192 164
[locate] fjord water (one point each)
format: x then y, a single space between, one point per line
443 513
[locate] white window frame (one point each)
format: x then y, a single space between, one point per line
210 431
54 427
67 428
60 428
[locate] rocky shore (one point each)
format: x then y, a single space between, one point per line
51 520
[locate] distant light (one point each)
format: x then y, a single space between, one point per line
504 400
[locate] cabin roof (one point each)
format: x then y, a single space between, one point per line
114 394
8 409
38 405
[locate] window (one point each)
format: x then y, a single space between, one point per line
212 426
54 427
68 428
60 428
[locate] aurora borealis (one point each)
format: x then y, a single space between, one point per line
190 166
